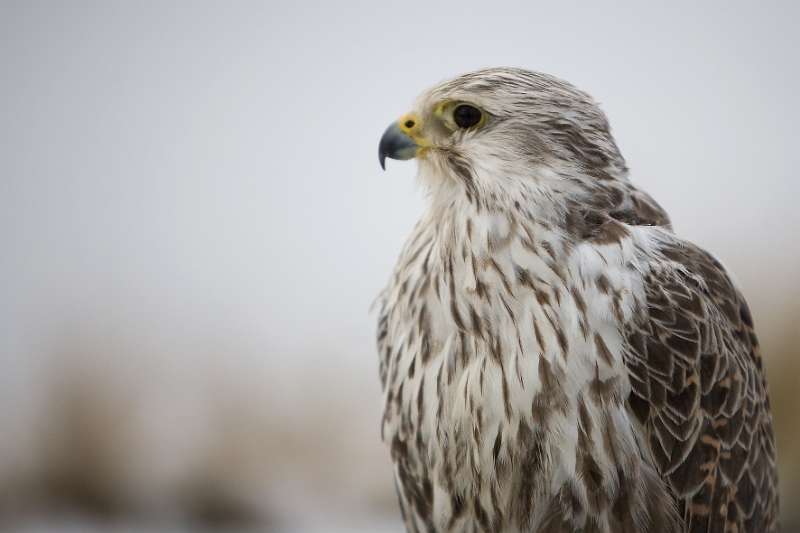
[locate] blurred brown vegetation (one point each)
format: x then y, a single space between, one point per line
783 372
122 436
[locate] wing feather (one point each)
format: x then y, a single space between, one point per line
699 390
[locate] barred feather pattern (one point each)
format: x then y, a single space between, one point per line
555 359
698 387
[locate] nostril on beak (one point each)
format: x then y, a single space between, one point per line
409 124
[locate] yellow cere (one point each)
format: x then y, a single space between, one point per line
411 125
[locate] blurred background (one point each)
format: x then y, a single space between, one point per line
193 226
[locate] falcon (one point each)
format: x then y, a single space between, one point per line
553 357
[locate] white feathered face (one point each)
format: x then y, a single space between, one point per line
499 127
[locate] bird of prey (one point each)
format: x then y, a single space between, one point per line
553 357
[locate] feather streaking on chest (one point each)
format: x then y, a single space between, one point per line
553 358
499 335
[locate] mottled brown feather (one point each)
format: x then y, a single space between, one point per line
700 392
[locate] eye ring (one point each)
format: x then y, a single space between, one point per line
466 116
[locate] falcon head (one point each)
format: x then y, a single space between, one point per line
504 130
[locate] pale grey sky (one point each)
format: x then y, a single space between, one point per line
201 173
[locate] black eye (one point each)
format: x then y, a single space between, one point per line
466 116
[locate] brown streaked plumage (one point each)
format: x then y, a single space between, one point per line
553 357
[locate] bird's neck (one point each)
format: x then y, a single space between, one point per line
482 219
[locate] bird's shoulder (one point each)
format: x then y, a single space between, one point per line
698 388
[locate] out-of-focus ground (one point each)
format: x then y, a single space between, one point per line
128 440
125 439
193 225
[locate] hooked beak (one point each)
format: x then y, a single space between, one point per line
398 140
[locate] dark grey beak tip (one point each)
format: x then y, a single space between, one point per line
395 145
